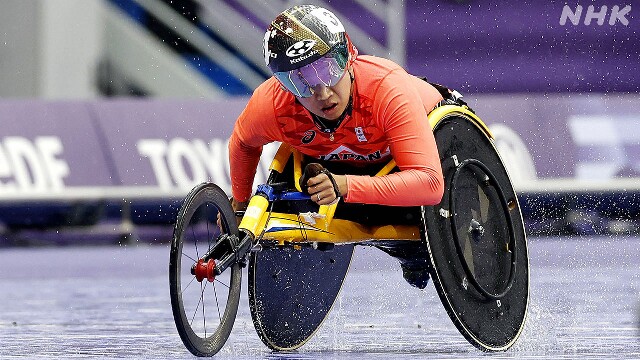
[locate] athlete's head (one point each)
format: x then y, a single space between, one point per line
305 47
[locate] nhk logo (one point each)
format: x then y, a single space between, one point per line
617 14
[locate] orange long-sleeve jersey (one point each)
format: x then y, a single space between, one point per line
388 120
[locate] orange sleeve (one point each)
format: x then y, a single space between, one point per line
400 104
255 127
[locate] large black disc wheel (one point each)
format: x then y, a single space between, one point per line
476 238
204 304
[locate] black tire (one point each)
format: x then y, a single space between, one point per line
203 330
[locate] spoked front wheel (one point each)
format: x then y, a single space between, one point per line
204 303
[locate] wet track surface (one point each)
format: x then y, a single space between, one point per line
113 302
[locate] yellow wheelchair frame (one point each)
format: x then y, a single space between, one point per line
322 227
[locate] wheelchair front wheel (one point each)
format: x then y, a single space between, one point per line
204 304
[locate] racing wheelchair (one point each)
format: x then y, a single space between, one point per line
297 260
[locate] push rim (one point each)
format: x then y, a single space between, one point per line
491 180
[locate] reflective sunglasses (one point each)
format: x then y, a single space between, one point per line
326 71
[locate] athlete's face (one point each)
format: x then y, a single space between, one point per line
329 102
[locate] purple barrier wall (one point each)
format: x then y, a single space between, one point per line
175 144
152 152
171 144
589 137
166 143
47 146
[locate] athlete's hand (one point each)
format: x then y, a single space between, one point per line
323 187
236 206
322 191
239 206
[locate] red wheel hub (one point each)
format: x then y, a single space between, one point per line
205 270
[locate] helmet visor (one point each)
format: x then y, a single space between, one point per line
326 71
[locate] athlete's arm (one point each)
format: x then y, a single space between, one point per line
243 162
402 115
253 129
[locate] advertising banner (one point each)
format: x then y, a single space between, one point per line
140 154
171 144
48 146
587 139
175 144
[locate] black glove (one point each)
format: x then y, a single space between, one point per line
313 170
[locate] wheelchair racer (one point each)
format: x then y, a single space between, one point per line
345 111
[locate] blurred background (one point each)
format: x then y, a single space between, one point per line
112 110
